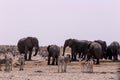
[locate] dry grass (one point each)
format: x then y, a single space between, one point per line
37 69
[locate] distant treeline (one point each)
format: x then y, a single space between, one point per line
41 47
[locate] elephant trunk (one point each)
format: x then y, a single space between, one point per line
36 50
64 49
67 43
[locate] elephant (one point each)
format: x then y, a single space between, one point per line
54 52
95 52
77 46
113 50
104 47
26 45
109 53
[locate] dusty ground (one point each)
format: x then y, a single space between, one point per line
37 69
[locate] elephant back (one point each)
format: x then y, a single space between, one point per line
83 45
114 47
96 50
34 41
103 44
95 46
115 44
53 50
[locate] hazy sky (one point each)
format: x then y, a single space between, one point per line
54 21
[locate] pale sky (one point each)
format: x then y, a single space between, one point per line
54 21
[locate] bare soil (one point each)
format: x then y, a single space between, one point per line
37 69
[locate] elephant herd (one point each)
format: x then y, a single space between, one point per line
83 49
95 50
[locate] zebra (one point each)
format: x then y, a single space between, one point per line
21 61
87 66
62 62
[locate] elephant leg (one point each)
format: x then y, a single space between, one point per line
79 55
25 56
53 61
74 55
98 62
48 60
115 58
30 54
110 57
83 56
56 61
88 57
26 51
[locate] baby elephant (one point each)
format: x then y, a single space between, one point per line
21 61
62 62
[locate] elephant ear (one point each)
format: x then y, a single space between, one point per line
27 42
69 42
89 43
35 42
